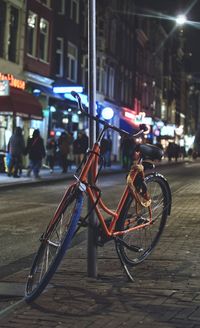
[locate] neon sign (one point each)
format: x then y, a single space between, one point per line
13 82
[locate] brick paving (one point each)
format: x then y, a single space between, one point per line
165 293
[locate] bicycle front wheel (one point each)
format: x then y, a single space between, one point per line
54 244
138 244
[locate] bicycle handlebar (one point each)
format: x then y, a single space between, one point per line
143 127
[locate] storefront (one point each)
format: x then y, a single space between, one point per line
17 108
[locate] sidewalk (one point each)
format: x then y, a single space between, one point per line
46 176
57 175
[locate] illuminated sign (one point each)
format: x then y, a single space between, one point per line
141 118
13 82
68 89
129 115
4 88
168 130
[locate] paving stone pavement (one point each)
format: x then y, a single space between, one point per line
165 293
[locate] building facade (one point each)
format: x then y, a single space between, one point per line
140 69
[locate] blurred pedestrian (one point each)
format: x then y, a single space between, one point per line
108 151
16 149
64 148
76 151
83 141
103 147
127 151
51 153
80 146
36 151
173 151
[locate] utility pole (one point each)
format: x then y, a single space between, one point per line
92 228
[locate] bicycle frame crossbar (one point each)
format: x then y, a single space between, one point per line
93 193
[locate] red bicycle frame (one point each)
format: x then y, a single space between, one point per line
92 164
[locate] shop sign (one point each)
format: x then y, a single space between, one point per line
168 130
4 88
141 118
13 82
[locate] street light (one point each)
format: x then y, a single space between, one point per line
181 19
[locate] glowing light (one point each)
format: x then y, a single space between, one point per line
52 109
129 115
107 113
36 92
52 133
65 120
181 20
68 89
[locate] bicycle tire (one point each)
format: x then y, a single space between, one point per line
144 239
54 244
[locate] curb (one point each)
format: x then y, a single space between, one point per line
70 176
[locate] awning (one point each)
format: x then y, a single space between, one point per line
21 103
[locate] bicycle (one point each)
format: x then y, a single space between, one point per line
135 225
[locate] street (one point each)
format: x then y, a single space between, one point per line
173 268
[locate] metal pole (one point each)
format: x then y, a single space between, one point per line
92 245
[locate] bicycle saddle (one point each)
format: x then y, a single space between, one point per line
151 152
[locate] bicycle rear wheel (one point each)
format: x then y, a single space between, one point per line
54 243
137 245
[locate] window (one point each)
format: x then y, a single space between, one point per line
59 56
74 13
126 90
13 37
100 27
85 25
85 71
2 28
113 34
44 39
61 7
9 32
32 33
72 61
111 82
122 89
100 75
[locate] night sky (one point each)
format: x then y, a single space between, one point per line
172 8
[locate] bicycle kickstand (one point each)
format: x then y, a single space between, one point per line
128 274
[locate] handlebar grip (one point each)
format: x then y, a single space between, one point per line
75 95
143 127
